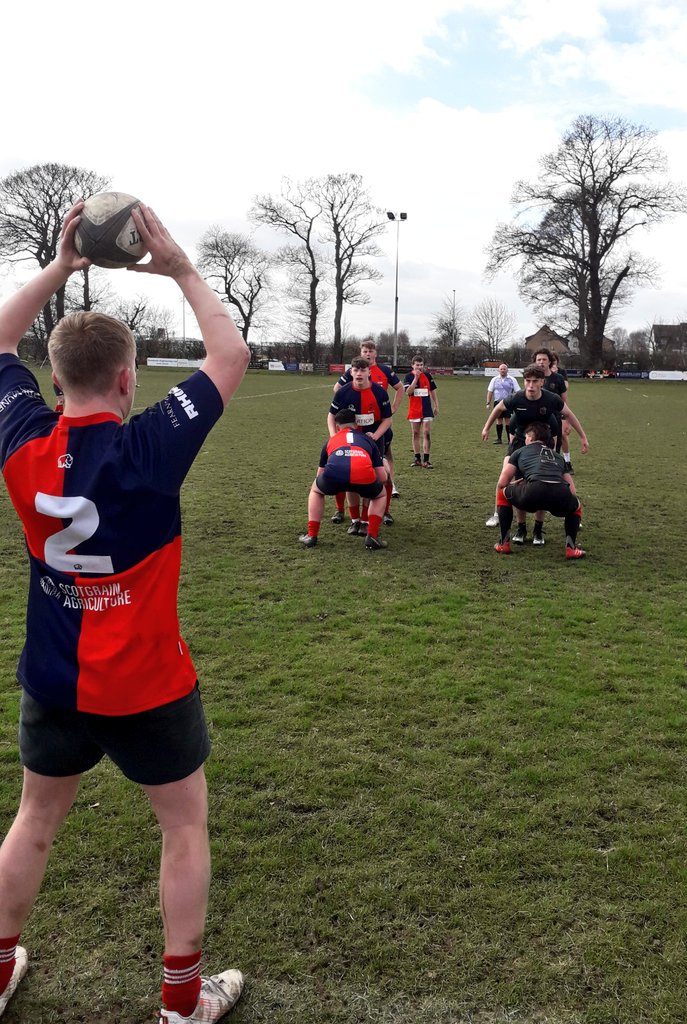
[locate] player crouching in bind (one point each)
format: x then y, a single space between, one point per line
350 461
534 479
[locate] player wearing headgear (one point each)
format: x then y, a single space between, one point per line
534 479
531 405
104 669
349 462
370 403
423 407
384 375
501 386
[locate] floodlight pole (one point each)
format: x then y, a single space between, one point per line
453 323
392 216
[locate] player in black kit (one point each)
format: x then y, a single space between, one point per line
532 405
534 479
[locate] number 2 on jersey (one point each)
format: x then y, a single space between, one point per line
84 522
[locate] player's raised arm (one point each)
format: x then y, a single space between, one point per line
20 311
227 353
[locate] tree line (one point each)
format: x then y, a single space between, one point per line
330 224
568 245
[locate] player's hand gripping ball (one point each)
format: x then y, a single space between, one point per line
107 234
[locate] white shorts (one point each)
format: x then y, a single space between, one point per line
422 419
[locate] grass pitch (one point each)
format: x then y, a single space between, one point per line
446 787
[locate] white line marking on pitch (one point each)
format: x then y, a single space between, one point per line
288 391
266 394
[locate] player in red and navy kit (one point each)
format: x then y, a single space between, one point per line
104 669
372 409
369 402
385 375
423 407
350 462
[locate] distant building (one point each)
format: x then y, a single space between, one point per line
669 337
608 345
546 338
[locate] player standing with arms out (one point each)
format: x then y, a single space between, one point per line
104 669
382 374
501 386
370 403
350 462
423 407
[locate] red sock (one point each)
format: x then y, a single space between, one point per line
341 501
181 985
313 527
373 526
8 949
364 513
388 487
354 511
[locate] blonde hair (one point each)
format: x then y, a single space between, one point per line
86 351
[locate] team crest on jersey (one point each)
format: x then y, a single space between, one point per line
339 451
542 410
65 461
49 587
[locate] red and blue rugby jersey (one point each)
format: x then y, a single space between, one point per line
380 373
370 405
99 502
420 403
350 457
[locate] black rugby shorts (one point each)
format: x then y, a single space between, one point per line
154 747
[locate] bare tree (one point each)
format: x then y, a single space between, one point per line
448 323
570 240
351 225
296 213
491 326
92 289
241 269
33 203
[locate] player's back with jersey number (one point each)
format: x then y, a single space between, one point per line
99 502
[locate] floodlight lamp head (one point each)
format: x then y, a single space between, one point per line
390 215
404 216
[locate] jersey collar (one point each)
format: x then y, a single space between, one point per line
85 421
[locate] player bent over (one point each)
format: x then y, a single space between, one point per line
350 461
534 479
104 669
423 407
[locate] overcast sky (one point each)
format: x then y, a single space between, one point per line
441 106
